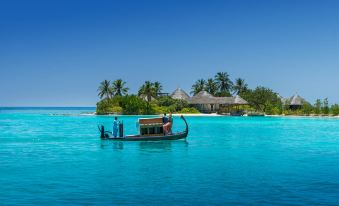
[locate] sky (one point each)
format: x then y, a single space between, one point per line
56 52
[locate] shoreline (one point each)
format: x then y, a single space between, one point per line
187 115
217 115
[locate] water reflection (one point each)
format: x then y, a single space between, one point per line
118 145
147 146
155 147
161 146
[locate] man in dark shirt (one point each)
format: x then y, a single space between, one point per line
164 121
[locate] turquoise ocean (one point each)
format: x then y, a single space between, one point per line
54 156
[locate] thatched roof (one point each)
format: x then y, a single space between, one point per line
204 97
296 100
239 101
180 94
224 100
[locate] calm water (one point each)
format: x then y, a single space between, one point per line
54 156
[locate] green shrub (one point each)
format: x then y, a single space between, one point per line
325 108
133 105
189 110
160 109
276 111
172 108
317 107
273 109
335 109
113 110
307 109
173 105
165 101
109 106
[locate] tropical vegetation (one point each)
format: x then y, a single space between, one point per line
105 89
115 100
198 86
150 100
119 88
223 84
240 86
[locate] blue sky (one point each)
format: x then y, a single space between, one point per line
55 53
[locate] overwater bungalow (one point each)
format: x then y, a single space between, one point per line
207 103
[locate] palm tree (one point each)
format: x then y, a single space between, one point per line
148 90
105 89
211 86
223 83
240 86
118 88
198 86
157 87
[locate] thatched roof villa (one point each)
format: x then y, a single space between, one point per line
239 101
205 102
203 97
180 94
296 102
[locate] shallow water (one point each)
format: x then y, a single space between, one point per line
54 156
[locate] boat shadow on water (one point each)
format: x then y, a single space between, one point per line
158 147
149 146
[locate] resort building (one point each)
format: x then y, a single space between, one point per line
207 103
180 94
296 102
162 94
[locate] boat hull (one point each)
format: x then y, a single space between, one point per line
176 136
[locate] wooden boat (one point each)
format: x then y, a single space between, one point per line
150 130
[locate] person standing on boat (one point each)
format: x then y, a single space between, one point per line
168 125
115 127
164 121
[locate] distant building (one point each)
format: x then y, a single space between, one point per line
162 94
205 102
180 94
296 102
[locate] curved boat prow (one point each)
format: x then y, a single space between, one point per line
183 118
102 131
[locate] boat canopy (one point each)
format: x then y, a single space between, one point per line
151 126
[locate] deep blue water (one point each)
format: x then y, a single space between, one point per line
55 157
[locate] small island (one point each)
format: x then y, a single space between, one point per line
218 95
